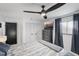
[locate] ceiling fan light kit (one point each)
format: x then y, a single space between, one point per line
44 12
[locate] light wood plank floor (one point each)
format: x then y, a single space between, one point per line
31 49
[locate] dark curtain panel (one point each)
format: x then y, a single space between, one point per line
58 33
75 38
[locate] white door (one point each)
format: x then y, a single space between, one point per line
30 32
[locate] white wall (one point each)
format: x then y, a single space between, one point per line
4 19
2 28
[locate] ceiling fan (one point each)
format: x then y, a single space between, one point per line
44 12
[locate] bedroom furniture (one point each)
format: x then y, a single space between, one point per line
47 35
52 46
47 32
2 53
11 33
3 39
4 49
60 51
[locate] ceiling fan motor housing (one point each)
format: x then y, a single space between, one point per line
43 11
45 17
43 6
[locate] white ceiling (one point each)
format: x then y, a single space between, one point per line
16 9
25 6
64 10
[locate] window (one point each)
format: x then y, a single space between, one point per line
67 27
67 30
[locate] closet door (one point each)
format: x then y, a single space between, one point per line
11 33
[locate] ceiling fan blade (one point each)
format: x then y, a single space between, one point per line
32 12
55 7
